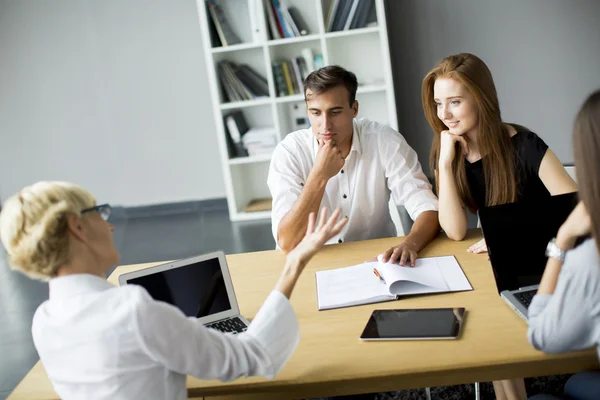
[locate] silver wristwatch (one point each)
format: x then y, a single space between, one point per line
552 250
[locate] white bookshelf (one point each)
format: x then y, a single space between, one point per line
364 51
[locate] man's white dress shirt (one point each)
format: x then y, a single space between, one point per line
380 164
98 341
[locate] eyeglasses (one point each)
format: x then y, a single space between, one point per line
102 209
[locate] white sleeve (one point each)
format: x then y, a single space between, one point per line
285 183
406 180
185 346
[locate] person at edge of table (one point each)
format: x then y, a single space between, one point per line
564 315
99 341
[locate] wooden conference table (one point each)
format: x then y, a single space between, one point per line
331 360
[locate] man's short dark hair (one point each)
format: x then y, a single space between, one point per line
326 78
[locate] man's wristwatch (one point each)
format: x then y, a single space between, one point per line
552 250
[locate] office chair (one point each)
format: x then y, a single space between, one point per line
399 215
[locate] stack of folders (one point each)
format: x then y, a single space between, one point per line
284 21
243 141
260 141
374 282
290 74
350 14
241 82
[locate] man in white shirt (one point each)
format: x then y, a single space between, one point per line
351 164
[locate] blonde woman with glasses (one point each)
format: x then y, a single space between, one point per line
98 341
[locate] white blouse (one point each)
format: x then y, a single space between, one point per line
98 341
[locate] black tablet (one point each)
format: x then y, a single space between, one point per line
417 324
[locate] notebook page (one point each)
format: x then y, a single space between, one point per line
453 274
350 286
426 272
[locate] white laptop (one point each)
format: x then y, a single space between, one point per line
199 286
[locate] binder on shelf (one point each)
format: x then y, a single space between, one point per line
235 127
309 59
286 30
303 69
278 22
284 21
280 85
291 69
227 89
298 21
236 150
289 21
331 14
256 83
212 30
288 78
297 76
351 14
226 35
341 15
273 28
241 82
362 14
244 92
254 15
235 86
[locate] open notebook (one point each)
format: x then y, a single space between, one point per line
358 284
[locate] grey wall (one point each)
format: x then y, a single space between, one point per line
544 56
114 95
109 94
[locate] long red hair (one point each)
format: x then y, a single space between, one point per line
493 137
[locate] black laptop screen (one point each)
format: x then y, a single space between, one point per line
517 234
196 289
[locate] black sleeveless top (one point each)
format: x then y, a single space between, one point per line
530 151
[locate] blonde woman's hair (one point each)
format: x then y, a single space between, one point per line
33 226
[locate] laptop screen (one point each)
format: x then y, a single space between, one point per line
517 234
196 289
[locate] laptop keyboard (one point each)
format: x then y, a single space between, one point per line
233 325
525 297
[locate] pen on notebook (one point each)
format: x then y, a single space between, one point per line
378 275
